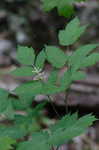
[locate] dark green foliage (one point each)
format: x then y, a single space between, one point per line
71 33
17 106
67 128
58 60
24 56
65 7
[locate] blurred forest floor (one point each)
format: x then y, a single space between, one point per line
24 23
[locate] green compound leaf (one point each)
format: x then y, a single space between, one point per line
64 122
6 143
90 60
56 56
77 59
25 55
23 71
30 89
71 129
32 144
64 130
40 60
71 33
81 52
